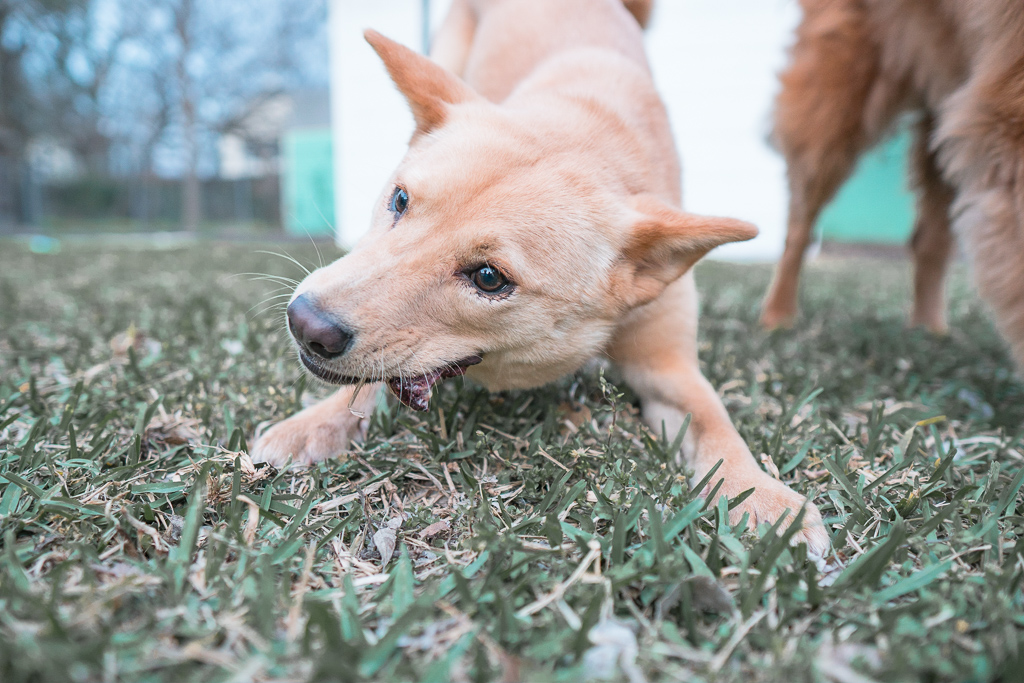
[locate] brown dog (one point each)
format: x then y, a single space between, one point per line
857 65
532 226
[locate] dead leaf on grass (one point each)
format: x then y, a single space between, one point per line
173 430
436 529
615 648
134 339
385 539
573 416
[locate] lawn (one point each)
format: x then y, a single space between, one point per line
539 535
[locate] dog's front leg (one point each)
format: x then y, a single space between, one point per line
319 432
656 350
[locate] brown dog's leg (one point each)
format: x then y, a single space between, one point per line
932 241
657 352
834 103
981 150
319 432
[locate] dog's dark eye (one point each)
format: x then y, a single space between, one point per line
399 202
489 279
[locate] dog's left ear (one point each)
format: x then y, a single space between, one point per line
665 242
428 87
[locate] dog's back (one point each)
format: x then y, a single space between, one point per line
506 45
926 47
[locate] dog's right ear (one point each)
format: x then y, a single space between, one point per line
664 242
428 87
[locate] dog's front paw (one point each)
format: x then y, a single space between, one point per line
770 500
317 433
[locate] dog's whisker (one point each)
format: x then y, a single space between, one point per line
270 310
287 257
416 360
283 295
319 256
329 225
274 297
256 312
268 276
282 306
253 275
285 290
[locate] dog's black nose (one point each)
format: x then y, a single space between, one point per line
315 331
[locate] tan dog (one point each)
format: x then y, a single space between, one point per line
532 226
856 66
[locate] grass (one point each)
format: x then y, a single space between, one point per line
539 535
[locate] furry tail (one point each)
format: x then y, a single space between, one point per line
641 9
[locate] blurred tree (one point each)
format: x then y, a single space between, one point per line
20 22
16 17
226 60
76 85
129 86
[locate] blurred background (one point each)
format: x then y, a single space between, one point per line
272 119
156 115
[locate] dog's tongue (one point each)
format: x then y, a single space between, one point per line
415 391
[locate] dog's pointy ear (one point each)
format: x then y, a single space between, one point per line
428 87
665 242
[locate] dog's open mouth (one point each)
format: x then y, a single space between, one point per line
412 390
415 391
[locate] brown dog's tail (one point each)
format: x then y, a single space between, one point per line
641 9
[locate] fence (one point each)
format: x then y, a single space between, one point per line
146 203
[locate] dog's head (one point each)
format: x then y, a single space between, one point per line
496 249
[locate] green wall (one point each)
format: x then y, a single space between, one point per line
875 205
307 192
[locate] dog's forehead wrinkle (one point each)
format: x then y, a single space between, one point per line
479 148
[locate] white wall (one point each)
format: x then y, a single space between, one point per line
370 119
715 62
